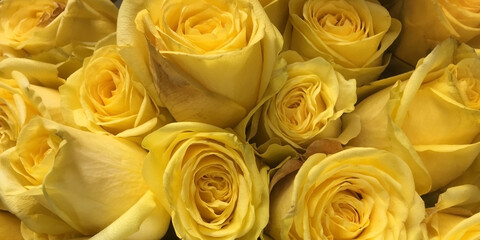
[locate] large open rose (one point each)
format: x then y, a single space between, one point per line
433 114
211 60
61 181
211 180
426 23
105 96
309 106
55 31
359 193
353 35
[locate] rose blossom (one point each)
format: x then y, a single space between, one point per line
212 183
64 182
353 35
310 104
211 60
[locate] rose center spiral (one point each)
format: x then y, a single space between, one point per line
335 20
214 189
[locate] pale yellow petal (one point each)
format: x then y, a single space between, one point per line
447 162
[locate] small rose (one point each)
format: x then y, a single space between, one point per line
213 186
106 97
310 105
358 193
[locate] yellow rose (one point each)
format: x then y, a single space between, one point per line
426 23
56 31
9 226
20 101
211 60
310 105
352 35
106 97
358 193
434 113
213 186
63 181
452 217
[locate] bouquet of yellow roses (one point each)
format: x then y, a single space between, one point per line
239 119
